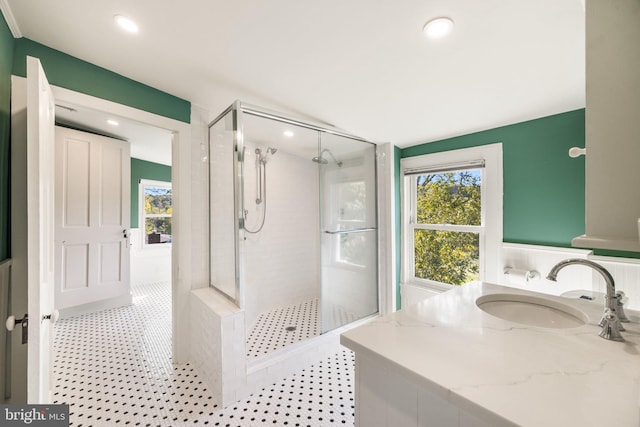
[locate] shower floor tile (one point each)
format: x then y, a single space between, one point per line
281 327
278 328
114 368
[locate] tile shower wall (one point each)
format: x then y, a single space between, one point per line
199 206
218 351
282 261
217 343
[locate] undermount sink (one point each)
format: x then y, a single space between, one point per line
531 310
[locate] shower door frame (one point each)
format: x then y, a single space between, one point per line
238 297
238 109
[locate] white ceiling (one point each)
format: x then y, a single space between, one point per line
359 65
147 142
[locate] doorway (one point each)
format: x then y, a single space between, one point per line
181 176
181 173
147 184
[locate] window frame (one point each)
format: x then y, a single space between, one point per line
142 216
490 230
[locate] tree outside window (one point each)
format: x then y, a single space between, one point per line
447 226
157 212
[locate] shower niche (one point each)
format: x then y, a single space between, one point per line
293 226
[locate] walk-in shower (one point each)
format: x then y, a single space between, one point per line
293 236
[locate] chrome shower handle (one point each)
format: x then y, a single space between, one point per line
353 230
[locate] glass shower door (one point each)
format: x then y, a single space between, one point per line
223 225
349 235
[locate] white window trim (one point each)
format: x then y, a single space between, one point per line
141 216
492 191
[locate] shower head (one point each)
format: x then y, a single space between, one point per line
262 158
321 160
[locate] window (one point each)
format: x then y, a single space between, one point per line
452 219
155 212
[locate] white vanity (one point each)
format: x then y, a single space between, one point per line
446 362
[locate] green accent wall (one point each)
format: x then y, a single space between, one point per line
75 74
544 189
6 64
72 73
141 169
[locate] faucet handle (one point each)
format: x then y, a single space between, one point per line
620 307
610 326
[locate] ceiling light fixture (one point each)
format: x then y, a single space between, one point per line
438 27
113 122
288 133
126 23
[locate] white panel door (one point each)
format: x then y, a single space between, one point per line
40 208
92 218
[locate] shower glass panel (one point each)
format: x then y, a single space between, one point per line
222 224
349 277
293 225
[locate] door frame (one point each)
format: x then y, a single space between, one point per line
181 181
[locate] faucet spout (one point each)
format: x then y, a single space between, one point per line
610 321
608 279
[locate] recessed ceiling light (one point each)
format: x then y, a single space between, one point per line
288 133
113 122
126 23
438 27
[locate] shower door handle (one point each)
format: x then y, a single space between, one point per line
353 230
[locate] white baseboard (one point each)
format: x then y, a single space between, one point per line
79 310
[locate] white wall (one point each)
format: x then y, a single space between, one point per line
282 261
148 265
625 272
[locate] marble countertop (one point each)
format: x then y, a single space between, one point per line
508 373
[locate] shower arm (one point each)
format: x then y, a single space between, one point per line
326 150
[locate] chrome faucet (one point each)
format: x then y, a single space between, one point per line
613 311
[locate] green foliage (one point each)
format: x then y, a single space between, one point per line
448 198
157 201
158 225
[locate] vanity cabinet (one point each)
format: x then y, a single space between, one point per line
445 362
612 125
386 396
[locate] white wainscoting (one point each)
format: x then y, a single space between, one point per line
149 264
626 273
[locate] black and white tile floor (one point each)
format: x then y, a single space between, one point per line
114 368
280 327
